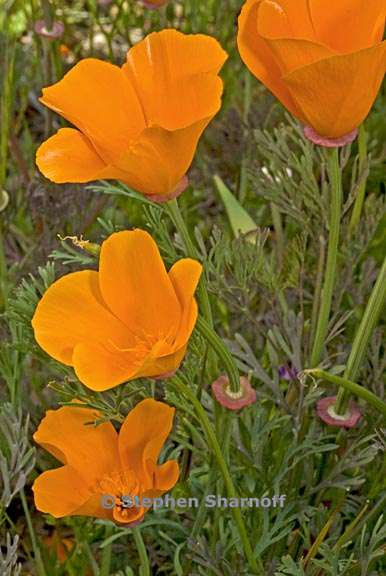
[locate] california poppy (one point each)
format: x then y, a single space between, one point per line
139 123
100 466
131 319
323 60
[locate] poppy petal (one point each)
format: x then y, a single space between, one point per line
69 156
286 19
157 364
290 52
97 98
349 25
136 286
165 476
93 507
127 516
101 369
72 311
175 77
70 435
185 275
143 434
258 57
159 159
336 94
60 492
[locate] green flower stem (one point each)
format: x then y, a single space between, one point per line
357 210
246 107
351 387
368 323
47 14
318 286
144 560
176 216
255 564
330 273
279 234
36 550
222 351
106 554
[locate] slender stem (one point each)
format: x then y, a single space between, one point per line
39 563
318 286
378 482
324 532
255 564
187 453
347 533
91 560
144 560
246 107
369 321
279 235
350 386
357 210
106 555
377 509
222 351
47 14
6 106
201 513
176 216
330 273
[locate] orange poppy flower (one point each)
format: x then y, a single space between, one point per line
139 123
131 319
101 466
323 60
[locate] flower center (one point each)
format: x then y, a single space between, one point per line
124 486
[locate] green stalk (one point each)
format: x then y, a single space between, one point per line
318 286
91 560
222 351
357 210
330 272
106 555
36 550
6 103
177 218
255 564
323 533
246 107
347 533
368 323
144 560
47 14
279 235
351 387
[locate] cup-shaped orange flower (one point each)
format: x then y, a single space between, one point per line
130 319
104 472
139 123
323 60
